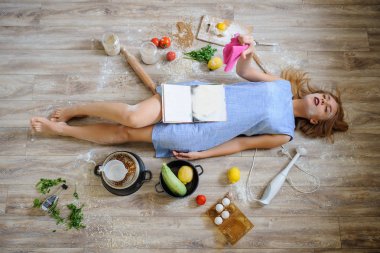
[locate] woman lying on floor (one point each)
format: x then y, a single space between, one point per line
261 113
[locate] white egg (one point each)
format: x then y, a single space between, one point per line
218 220
225 214
219 208
226 202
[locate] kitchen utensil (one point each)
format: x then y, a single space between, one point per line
235 225
51 200
114 171
275 185
206 30
134 179
139 70
265 43
191 186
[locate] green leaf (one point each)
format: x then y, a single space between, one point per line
55 214
202 55
37 203
44 185
76 217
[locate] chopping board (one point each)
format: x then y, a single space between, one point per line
207 30
234 227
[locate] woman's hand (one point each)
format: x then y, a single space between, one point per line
248 51
246 39
187 155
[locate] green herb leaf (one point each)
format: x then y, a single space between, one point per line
75 218
37 203
44 185
202 55
55 214
75 194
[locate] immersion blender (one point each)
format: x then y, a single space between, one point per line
275 185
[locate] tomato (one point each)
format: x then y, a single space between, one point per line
201 200
170 56
164 42
155 41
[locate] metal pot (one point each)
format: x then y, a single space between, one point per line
134 179
191 186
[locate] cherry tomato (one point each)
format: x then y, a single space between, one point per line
170 56
201 200
164 42
155 41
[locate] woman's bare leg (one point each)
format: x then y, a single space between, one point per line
98 133
140 115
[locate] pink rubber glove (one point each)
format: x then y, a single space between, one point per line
232 52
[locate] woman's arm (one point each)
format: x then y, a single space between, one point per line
244 68
236 145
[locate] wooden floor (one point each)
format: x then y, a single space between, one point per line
50 57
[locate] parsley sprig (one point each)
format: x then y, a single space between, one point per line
44 185
202 55
74 219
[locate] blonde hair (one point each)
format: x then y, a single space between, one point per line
301 87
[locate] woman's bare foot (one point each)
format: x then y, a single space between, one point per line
45 126
64 114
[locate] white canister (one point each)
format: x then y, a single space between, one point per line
111 44
148 52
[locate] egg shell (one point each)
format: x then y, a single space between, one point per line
225 214
218 220
226 202
219 208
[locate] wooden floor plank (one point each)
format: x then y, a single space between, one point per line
20 14
42 250
267 233
374 39
118 14
359 232
344 64
65 38
16 87
27 231
308 15
13 141
218 250
3 198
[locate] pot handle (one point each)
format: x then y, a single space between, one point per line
149 173
198 166
159 184
97 170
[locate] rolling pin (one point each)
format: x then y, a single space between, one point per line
259 62
139 70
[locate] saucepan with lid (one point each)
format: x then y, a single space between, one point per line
123 173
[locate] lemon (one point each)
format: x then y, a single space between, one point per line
214 63
233 175
221 26
185 174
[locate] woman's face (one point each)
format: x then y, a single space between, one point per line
320 106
